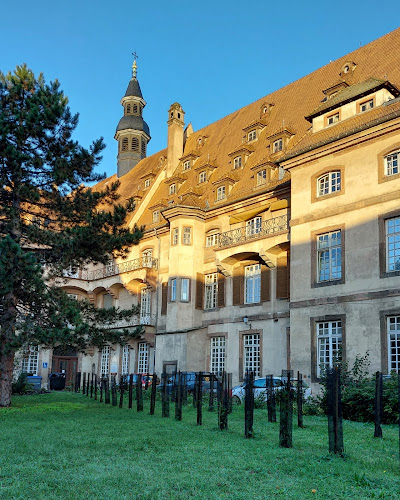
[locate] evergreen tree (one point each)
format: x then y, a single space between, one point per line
50 222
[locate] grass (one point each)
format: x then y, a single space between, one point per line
67 446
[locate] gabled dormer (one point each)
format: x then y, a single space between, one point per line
253 130
240 155
279 140
188 159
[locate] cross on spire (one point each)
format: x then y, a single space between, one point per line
135 56
134 65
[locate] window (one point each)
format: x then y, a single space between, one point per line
147 258
175 236
186 165
30 361
105 361
329 340
156 215
173 290
187 236
252 278
135 109
145 305
261 177
211 290
253 226
392 244
393 342
330 120
202 177
329 256
237 162
328 183
217 355
251 358
125 144
365 106
147 183
277 146
185 290
108 301
143 147
392 163
172 189
252 135
212 240
128 109
135 144
221 193
125 359
143 358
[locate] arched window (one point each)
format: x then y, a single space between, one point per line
135 144
329 183
124 145
392 163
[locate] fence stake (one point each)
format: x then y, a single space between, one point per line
249 405
211 400
286 414
378 404
84 384
165 398
178 396
335 419
299 400
130 393
139 393
107 391
153 394
121 391
95 386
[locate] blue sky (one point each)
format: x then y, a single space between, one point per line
211 56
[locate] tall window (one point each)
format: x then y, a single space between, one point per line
261 177
202 177
251 350
30 361
105 360
212 240
329 338
145 306
251 136
187 235
237 162
221 193
217 355
277 146
252 278
186 165
329 256
393 333
392 163
253 226
175 236
173 290
156 215
328 183
172 189
211 291
147 258
185 289
125 359
393 244
143 358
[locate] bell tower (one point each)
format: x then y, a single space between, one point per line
132 132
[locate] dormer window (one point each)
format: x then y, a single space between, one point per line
332 119
277 145
366 105
147 183
156 215
172 189
186 165
261 177
392 163
237 162
221 193
252 135
202 177
329 183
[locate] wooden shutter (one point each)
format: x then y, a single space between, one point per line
221 290
151 277
282 278
265 284
164 297
238 286
199 291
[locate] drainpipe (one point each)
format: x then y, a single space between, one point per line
157 299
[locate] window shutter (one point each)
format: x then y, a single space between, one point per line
190 290
282 278
151 277
221 290
265 284
238 286
199 291
164 296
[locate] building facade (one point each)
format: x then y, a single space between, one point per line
272 236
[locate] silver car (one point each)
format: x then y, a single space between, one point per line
260 391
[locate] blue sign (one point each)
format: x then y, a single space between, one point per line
44 365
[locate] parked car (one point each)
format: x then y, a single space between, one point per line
260 390
146 378
191 382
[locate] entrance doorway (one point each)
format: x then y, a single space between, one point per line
65 360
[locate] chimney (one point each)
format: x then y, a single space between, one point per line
176 124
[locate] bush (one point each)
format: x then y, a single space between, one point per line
21 386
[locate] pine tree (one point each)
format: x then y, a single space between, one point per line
50 222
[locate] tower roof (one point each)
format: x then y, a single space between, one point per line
133 89
133 122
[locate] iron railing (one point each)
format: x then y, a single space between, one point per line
113 269
266 228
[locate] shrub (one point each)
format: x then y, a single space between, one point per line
21 386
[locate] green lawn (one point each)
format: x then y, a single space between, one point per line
68 446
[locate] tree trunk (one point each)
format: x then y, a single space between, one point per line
6 376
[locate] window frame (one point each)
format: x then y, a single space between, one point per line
173 289
210 291
217 354
255 360
397 159
320 173
332 182
219 196
143 357
364 102
259 175
145 305
254 226
332 115
147 183
125 359
252 135
185 240
156 216
382 163
187 165
383 248
172 188
277 145
183 281
331 338
31 361
237 162
105 357
315 283
213 239
390 368
175 236
202 177
252 284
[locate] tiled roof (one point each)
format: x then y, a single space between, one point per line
292 103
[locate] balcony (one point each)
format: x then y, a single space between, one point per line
248 233
114 269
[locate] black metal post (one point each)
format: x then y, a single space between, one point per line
153 394
378 404
299 395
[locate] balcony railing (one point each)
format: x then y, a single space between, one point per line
266 228
114 269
